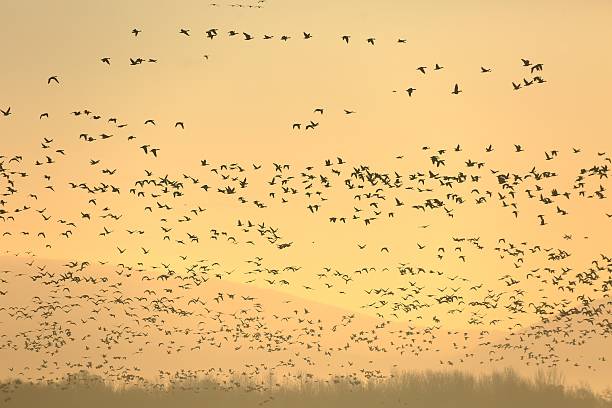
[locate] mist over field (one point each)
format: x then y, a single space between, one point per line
305 203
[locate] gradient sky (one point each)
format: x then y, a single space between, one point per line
238 106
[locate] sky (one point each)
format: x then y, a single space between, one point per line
239 101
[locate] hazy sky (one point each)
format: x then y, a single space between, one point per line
239 103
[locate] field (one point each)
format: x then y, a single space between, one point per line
427 389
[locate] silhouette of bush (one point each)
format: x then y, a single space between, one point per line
428 389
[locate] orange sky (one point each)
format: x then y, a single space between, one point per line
239 105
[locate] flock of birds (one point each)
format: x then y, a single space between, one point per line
257 5
533 75
103 314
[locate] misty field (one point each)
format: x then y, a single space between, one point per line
429 389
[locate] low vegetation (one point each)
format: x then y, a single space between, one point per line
427 390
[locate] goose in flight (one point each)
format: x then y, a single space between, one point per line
371 40
105 60
410 91
184 31
307 35
6 112
346 38
181 124
541 217
52 78
456 90
422 69
484 70
136 31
